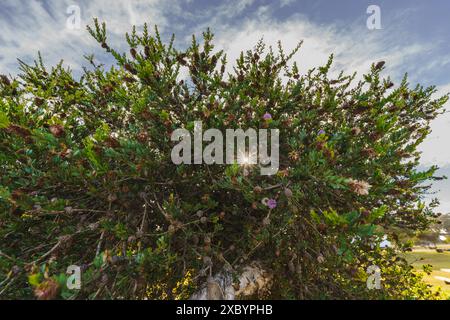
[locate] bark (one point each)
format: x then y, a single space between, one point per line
252 280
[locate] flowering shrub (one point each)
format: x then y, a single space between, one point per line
87 179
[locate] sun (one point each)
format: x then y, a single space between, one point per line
245 160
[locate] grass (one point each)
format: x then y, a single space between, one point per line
422 256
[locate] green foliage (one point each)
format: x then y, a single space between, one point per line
86 175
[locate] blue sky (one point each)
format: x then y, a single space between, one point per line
415 38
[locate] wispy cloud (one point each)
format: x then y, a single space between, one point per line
32 26
29 26
436 149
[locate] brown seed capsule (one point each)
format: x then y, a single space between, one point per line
112 142
107 89
389 85
199 213
129 68
322 227
320 145
355 131
181 61
213 60
147 51
5 80
57 130
375 136
320 259
142 136
133 52
38 101
369 152
291 267
288 193
15 270
379 65
365 213
68 210
112 197
257 189
203 220
129 79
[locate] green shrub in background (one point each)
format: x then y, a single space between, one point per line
87 179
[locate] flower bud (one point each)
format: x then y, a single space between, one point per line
257 189
288 192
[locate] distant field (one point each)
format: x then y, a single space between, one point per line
422 256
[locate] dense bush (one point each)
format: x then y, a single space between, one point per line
87 179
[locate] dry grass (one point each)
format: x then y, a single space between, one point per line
423 256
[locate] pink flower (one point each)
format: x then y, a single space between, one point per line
272 203
359 187
267 116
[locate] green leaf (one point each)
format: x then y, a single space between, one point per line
34 279
4 120
377 213
366 230
232 170
4 193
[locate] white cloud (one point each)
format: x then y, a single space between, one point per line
436 148
355 48
33 26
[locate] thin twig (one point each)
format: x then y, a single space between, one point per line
49 252
7 286
99 245
6 256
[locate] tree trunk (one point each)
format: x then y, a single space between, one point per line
253 280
